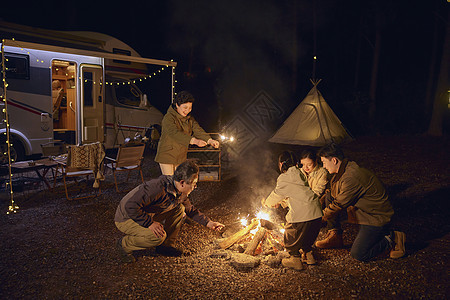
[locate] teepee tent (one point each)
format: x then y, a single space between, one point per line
312 123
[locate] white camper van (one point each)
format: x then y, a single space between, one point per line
75 95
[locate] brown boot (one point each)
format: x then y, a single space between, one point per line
399 249
293 262
333 239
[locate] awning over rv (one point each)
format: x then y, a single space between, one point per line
106 55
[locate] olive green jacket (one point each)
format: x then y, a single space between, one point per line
177 132
361 193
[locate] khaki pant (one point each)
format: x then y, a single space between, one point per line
140 238
167 169
301 236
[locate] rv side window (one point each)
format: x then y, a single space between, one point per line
127 95
17 66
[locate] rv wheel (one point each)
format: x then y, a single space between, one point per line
17 151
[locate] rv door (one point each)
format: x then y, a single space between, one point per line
92 125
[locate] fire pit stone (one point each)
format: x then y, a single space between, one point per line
241 261
224 254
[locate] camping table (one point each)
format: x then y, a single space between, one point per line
40 167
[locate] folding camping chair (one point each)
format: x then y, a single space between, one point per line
128 158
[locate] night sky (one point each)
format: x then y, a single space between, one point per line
228 51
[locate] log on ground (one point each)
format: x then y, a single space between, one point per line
229 241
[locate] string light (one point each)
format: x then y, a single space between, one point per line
12 208
173 82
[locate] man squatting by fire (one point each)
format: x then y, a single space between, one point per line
304 216
151 214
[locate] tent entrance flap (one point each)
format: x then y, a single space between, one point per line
312 123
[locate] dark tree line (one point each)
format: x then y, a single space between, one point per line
383 63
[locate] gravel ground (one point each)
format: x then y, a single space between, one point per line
58 249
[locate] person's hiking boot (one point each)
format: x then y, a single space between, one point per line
399 248
168 251
125 257
333 239
308 258
293 262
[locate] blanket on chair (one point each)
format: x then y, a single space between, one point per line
89 156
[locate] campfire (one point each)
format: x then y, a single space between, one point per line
259 238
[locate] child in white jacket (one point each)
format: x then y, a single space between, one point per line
304 216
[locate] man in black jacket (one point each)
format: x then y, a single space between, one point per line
151 214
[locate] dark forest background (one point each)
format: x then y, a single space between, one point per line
383 64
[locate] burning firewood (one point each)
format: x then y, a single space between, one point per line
229 241
259 236
275 240
269 225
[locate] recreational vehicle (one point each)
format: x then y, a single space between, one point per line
75 94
